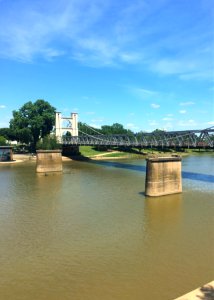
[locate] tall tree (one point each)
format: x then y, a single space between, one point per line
32 121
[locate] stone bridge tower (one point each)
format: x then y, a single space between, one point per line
71 126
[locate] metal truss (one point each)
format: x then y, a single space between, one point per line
179 139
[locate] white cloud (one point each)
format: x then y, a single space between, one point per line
74 109
90 113
46 30
167 119
132 126
210 123
69 110
167 67
145 91
153 123
97 120
130 57
95 125
187 103
66 110
187 123
153 105
168 126
197 75
182 111
96 50
142 93
2 106
102 33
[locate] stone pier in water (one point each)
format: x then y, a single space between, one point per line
163 176
48 161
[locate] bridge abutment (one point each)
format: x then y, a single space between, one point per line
163 176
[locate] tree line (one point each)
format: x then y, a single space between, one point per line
115 128
30 123
35 121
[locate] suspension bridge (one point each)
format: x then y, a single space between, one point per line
202 138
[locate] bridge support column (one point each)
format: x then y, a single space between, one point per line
74 118
58 120
72 125
48 161
163 176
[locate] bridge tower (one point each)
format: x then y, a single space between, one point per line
72 125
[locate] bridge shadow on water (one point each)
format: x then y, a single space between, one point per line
140 168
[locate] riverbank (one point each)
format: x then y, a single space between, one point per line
20 158
106 155
91 153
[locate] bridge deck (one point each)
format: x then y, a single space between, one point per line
183 139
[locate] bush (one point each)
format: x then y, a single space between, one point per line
48 143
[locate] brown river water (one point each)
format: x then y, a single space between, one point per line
91 234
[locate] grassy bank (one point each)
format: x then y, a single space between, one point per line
92 152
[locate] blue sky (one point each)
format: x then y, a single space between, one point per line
146 64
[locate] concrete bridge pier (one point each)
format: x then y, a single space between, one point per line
163 176
48 161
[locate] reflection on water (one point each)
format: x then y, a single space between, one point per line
163 212
91 234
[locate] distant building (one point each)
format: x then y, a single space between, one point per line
13 142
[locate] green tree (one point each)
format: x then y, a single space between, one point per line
32 121
48 143
116 128
3 141
8 134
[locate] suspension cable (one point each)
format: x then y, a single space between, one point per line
92 136
93 129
